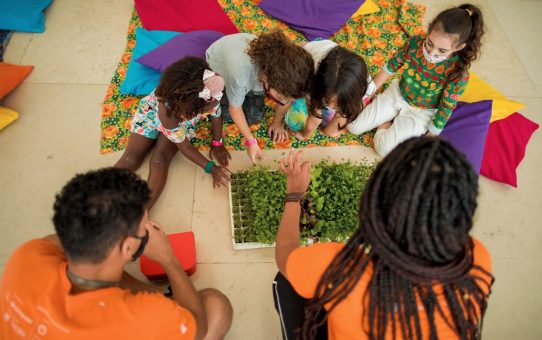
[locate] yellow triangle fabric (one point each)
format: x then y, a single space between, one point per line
478 90
7 117
368 7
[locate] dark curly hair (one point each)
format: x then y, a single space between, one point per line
289 69
179 87
344 74
467 23
95 210
415 216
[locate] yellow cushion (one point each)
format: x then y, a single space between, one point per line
368 7
7 117
478 90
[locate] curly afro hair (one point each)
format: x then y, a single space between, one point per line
179 87
289 69
95 210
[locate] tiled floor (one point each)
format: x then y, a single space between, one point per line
57 136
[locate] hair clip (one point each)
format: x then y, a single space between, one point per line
468 11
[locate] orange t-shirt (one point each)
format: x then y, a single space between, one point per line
305 266
35 303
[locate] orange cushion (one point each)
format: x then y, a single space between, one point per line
184 249
12 75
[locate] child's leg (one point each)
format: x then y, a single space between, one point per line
383 109
409 123
159 166
136 150
253 107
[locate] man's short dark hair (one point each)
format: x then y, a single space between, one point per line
95 210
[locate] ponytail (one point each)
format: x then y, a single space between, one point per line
467 22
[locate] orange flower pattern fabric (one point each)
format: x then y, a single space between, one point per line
376 37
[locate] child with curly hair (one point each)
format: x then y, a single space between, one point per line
188 92
253 68
435 74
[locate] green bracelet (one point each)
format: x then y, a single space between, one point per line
209 167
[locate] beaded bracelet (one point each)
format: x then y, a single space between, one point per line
216 142
251 142
209 166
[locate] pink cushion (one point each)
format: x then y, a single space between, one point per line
505 147
184 15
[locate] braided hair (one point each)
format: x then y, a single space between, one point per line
179 88
414 220
467 23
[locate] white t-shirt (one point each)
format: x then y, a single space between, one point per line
319 49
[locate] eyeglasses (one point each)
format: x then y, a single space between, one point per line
270 96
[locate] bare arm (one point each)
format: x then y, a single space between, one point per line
239 119
220 174
276 129
297 181
381 77
184 293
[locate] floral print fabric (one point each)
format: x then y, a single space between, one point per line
376 37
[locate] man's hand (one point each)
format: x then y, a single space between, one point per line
158 248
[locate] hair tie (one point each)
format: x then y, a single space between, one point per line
469 11
213 86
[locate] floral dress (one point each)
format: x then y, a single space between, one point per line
147 123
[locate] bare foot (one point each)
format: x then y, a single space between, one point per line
384 126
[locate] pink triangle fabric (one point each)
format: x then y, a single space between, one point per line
184 15
505 147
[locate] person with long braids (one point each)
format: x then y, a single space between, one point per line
435 74
410 271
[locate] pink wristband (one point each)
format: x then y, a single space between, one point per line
251 142
216 142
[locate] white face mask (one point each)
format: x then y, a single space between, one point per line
433 59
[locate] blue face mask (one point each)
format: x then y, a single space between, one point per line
139 251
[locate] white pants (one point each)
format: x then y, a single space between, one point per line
408 121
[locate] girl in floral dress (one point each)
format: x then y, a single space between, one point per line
189 91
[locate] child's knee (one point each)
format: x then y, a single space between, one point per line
161 159
382 143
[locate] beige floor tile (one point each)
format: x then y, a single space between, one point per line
55 137
212 222
82 42
508 218
499 64
521 23
514 307
17 46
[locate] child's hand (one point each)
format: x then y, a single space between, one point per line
220 154
298 176
254 153
277 132
221 176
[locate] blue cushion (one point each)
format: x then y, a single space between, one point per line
23 15
193 43
141 80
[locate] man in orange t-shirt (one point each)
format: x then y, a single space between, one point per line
73 286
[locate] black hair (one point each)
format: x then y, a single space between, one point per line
95 210
414 220
467 23
344 74
180 85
